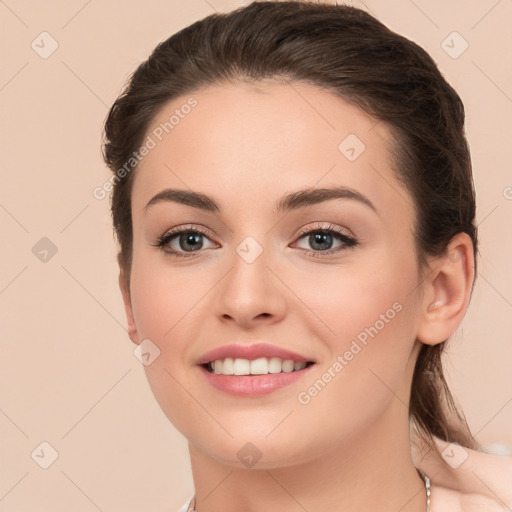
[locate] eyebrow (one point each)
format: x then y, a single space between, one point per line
292 201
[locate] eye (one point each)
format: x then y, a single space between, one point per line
182 240
322 238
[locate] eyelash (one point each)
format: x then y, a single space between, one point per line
162 241
347 240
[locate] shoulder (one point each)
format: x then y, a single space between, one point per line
466 480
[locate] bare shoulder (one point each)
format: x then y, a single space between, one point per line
465 480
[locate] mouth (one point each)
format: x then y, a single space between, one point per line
259 366
254 370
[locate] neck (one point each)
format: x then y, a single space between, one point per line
371 471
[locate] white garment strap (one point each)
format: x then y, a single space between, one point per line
186 506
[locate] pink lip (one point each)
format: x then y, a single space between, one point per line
252 385
251 352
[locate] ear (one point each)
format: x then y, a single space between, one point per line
125 291
447 290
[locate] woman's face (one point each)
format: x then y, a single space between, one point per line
257 269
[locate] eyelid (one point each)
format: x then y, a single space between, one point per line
327 226
187 227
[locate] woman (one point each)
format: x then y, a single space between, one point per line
315 162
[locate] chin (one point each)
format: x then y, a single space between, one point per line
253 448
258 454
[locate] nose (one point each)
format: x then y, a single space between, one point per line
251 294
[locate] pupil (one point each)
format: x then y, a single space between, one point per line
191 238
319 238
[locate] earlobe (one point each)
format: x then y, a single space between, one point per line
447 291
124 287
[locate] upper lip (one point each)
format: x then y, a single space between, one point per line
254 351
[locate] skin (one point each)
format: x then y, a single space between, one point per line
349 447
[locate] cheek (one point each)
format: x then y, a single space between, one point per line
164 307
162 300
352 301
365 320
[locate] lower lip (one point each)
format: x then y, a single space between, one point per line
253 385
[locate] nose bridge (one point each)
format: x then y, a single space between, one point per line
250 260
250 290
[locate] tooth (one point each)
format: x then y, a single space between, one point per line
242 367
259 366
227 366
274 365
287 365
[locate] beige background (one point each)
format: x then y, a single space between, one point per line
68 373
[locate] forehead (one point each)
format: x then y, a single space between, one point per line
247 140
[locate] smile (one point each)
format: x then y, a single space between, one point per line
252 370
260 366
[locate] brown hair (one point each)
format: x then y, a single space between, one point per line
347 51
